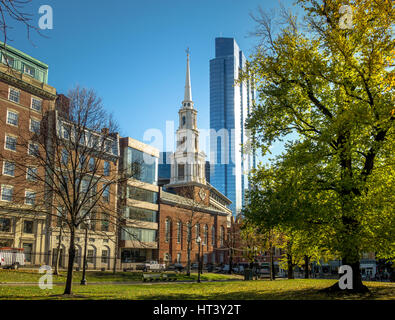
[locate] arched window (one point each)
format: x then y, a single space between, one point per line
189 232
183 120
167 229
222 236
197 227
205 235
179 231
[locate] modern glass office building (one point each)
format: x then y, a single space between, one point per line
229 109
139 201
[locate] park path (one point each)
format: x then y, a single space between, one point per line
27 284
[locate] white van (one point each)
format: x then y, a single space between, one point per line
12 258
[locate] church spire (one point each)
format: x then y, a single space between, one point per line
188 91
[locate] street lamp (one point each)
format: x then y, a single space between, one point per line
198 240
83 281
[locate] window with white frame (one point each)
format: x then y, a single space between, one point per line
64 157
36 104
33 149
12 117
189 232
35 125
30 197
179 231
205 235
104 256
90 256
167 229
14 95
6 193
29 70
106 168
10 143
197 230
106 193
31 174
9 168
8 60
91 164
222 236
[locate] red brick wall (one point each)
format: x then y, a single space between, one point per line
25 113
176 214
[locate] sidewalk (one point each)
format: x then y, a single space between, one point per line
20 284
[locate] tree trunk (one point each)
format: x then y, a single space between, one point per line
230 261
69 280
56 272
290 267
306 266
271 266
114 270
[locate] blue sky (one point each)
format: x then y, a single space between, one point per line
132 52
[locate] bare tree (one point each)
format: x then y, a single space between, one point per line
73 158
233 242
14 10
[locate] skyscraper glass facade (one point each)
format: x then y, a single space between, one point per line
229 109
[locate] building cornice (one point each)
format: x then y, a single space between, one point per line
22 81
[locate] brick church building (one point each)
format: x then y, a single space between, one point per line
192 213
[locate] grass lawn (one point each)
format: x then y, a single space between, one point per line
7 276
297 289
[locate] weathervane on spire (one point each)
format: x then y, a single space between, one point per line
188 51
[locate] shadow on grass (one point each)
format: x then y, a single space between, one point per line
304 294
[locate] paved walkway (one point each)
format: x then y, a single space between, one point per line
21 284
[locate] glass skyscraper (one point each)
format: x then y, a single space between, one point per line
229 108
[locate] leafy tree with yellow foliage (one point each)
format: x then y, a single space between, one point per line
331 80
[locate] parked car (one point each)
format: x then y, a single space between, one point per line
154 265
175 267
179 267
194 266
210 267
12 258
238 269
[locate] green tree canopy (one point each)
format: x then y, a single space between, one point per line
334 86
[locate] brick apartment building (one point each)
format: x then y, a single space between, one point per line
25 98
28 105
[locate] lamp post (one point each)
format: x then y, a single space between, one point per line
83 281
198 240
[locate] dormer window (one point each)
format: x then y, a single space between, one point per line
8 60
29 70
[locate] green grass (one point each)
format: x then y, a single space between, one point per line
7 276
297 289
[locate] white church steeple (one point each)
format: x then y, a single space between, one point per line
188 162
188 90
